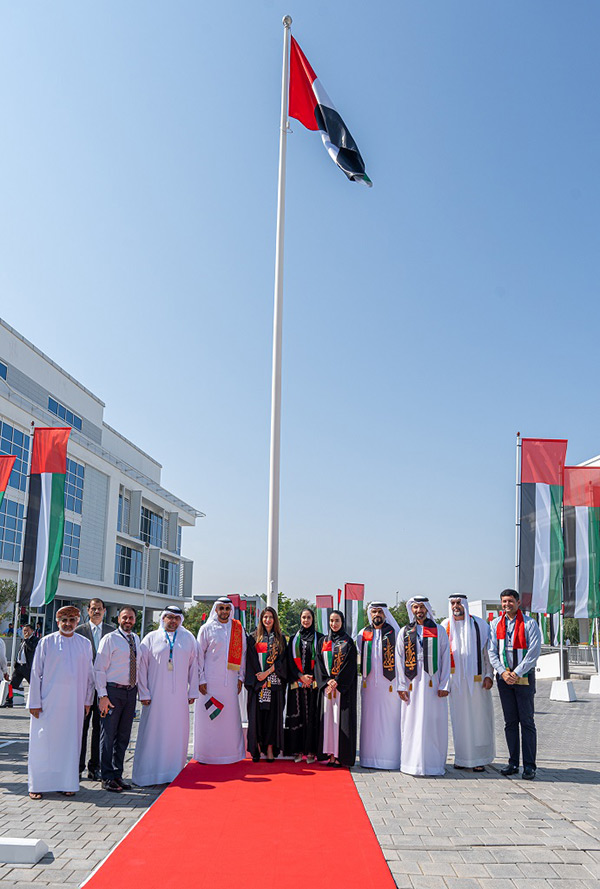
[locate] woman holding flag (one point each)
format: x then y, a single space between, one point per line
266 674
336 672
300 733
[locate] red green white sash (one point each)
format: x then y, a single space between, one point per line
297 649
234 657
519 641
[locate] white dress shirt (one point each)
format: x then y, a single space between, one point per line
112 660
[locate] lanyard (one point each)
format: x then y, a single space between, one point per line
171 644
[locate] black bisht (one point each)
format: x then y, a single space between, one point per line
265 725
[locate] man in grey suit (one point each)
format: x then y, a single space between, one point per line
93 629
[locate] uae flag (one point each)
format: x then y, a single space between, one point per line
324 606
310 104
44 528
214 708
581 532
549 625
541 542
6 465
354 595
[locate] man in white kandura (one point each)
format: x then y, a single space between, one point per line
167 685
380 705
218 736
471 678
423 670
61 690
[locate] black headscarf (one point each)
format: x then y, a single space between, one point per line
308 633
341 632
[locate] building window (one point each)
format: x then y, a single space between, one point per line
11 530
168 583
128 567
151 527
179 540
55 407
74 486
123 515
3 370
13 441
69 560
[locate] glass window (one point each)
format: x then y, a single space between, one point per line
14 441
128 566
74 480
168 583
151 527
3 370
179 540
69 560
64 413
11 530
123 514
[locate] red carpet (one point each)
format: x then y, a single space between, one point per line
250 824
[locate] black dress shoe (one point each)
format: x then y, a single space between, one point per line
94 775
123 784
112 786
509 770
528 773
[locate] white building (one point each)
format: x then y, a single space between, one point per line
122 528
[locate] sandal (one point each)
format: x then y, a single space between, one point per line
67 792
33 795
479 768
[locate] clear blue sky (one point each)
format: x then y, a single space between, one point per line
426 320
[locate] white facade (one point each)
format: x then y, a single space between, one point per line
122 528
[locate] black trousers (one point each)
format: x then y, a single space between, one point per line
518 708
115 731
20 673
94 760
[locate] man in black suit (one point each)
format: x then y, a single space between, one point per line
24 661
93 629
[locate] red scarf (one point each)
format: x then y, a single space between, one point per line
519 640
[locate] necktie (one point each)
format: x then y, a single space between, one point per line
96 632
132 661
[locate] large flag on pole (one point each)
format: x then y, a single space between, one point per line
581 532
310 104
541 542
6 465
324 605
44 528
354 595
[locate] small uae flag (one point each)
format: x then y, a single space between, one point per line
324 606
541 541
354 595
44 528
6 465
581 530
214 707
310 104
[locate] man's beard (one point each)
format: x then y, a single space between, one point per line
377 621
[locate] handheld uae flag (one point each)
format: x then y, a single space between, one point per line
581 532
324 606
310 104
214 707
354 595
44 528
6 465
541 542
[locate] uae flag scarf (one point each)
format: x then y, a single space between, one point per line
388 650
234 656
44 529
334 654
519 641
430 649
310 104
581 532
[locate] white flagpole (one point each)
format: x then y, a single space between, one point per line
13 654
517 513
273 543
598 646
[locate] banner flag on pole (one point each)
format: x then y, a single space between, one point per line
44 528
541 542
310 104
354 595
549 625
6 465
581 532
243 610
324 607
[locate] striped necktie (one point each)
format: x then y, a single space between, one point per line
132 660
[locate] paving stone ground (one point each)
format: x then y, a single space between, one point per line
460 831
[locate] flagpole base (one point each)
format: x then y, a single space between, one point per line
562 690
14 850
594 686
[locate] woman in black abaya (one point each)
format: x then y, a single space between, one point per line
301 728
265 680
336 672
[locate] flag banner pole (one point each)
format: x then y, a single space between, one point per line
562 633
597 622
517 509
274 466
13 654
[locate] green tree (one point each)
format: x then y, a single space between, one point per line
8 595
400 613
289 611
193 616
571 631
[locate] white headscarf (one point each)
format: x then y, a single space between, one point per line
463 642
389 617
222 600
426 603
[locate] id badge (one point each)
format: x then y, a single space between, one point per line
170 666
